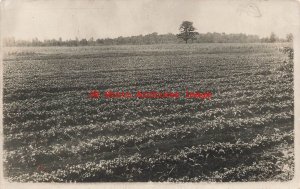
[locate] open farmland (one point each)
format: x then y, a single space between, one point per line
53 131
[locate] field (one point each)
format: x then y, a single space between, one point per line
53 131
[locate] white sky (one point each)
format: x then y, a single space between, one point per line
47 19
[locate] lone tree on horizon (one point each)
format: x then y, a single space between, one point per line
187 31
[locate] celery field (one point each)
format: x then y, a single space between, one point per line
53 131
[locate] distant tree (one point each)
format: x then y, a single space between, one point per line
76 42
265 40
273 38
91 41
99 41
35 41
289 37
83 42
187 31
60 41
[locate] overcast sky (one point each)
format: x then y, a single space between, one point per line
112 18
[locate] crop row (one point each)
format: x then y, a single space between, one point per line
191 162
32 154
116 109
143 124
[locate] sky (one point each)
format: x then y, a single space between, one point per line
48 19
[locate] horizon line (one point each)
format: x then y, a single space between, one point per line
103 38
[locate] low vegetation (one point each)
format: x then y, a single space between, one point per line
53 131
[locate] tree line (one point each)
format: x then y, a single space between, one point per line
188 32
153 38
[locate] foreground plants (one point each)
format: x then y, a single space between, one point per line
55 132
